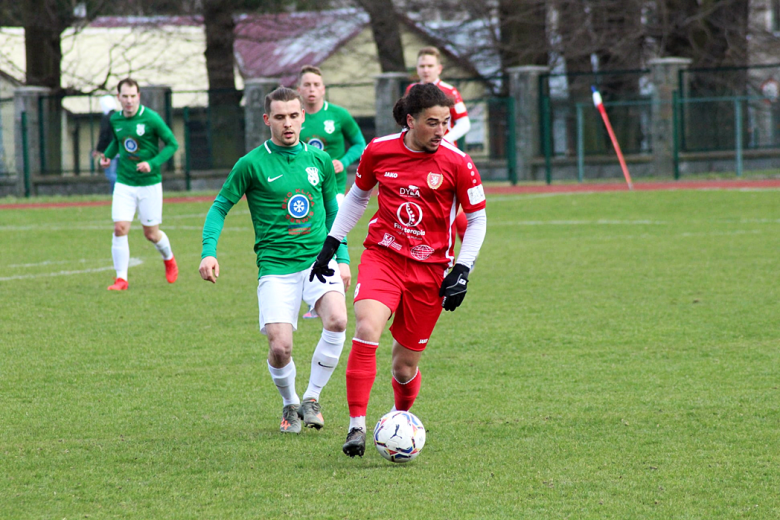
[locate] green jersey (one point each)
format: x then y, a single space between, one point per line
330 129
286 193
137 140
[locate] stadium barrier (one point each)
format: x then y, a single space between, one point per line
684 133
545 129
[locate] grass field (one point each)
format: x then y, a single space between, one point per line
616 357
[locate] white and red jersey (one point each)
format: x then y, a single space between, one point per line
456 112
419 193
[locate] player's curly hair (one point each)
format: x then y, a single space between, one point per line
419 98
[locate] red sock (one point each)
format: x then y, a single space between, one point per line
406 393
460 224
361 372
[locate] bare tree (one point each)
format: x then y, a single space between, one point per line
387 34
522 28
224 100
44 21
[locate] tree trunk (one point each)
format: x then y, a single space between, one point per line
387 34
42 30
576 47
43 25
225 136
713 33
523 37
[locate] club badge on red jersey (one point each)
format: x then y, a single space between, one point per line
435 180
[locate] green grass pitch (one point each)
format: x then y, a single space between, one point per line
616 357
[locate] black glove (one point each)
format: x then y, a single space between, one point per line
454 287
320 268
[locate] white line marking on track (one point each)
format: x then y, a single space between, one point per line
600 222
133 263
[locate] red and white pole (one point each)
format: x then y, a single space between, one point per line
597 102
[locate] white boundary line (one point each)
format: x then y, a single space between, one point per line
133 263
104 227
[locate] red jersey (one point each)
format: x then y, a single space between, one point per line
419 193
456 112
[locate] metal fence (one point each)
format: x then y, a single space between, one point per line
719 110
568 129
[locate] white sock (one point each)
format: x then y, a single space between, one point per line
284 379
358 422
164 246
120 251
324 361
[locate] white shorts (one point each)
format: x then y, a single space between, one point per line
147 199
279 296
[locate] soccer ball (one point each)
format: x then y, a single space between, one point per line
399 436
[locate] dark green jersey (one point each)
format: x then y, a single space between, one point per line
330 129
137 140
286 195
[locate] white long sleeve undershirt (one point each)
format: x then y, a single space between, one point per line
352 208
473 238
459 129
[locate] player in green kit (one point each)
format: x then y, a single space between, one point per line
291 190
137 131
329 127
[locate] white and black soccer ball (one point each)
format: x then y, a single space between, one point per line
399 436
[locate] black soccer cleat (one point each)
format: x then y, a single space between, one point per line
356 443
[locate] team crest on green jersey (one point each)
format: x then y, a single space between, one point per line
298 206
330 126
140 129
314 175
130 145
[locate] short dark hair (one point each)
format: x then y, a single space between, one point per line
420 97
309 69
281 94
129 82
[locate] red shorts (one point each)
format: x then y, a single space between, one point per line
409 288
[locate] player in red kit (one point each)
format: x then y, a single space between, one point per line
429 69
403 271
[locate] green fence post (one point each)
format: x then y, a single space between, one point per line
676 135
41 136
25 157
580 145
187 179
546 140
738 132
91 137
511 151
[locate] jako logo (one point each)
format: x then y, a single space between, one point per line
423 342
391 174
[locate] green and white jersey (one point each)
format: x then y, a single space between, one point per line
286 194
136 139
330 129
